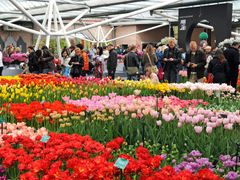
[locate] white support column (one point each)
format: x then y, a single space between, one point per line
76 19
43 24
50 16
21 28
138 32
106 35
56 29
102 33
155 6
13 20
98 35
19 6
61 25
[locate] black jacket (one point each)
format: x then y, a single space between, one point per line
232 56
131 60
112 60
171 53
200 59
33 62
76 69
219 70
46 60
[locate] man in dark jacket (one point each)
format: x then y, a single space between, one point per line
32 61
46 61
171 58
232 56
112 61
195 62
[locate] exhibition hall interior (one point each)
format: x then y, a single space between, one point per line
120 89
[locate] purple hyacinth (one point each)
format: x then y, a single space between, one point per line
229 163
224 157
231 175
195 153
204 162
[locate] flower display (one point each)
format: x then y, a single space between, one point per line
79 157
54 127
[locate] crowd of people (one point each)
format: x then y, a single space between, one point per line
202 63
160 63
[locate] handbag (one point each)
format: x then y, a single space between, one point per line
153 68
130 70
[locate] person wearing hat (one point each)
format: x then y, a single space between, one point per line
218 67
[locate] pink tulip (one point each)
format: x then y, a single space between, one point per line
198 129
159 123
209 130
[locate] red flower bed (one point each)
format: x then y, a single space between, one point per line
56 79
38 110
74 157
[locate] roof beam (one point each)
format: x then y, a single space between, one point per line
138 32
160 5
19 6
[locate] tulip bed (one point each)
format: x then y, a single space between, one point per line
165 131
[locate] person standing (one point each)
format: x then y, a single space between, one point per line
171 59
98 61
77 64
32 61
45 59
149 57
195 62
131 62
85 68
112 61
232 56
65 63
218 67
1 62
209 57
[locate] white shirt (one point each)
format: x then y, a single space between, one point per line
1 59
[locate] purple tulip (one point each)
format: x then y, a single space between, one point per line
232 175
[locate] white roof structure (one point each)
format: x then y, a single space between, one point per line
62 14
104 9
